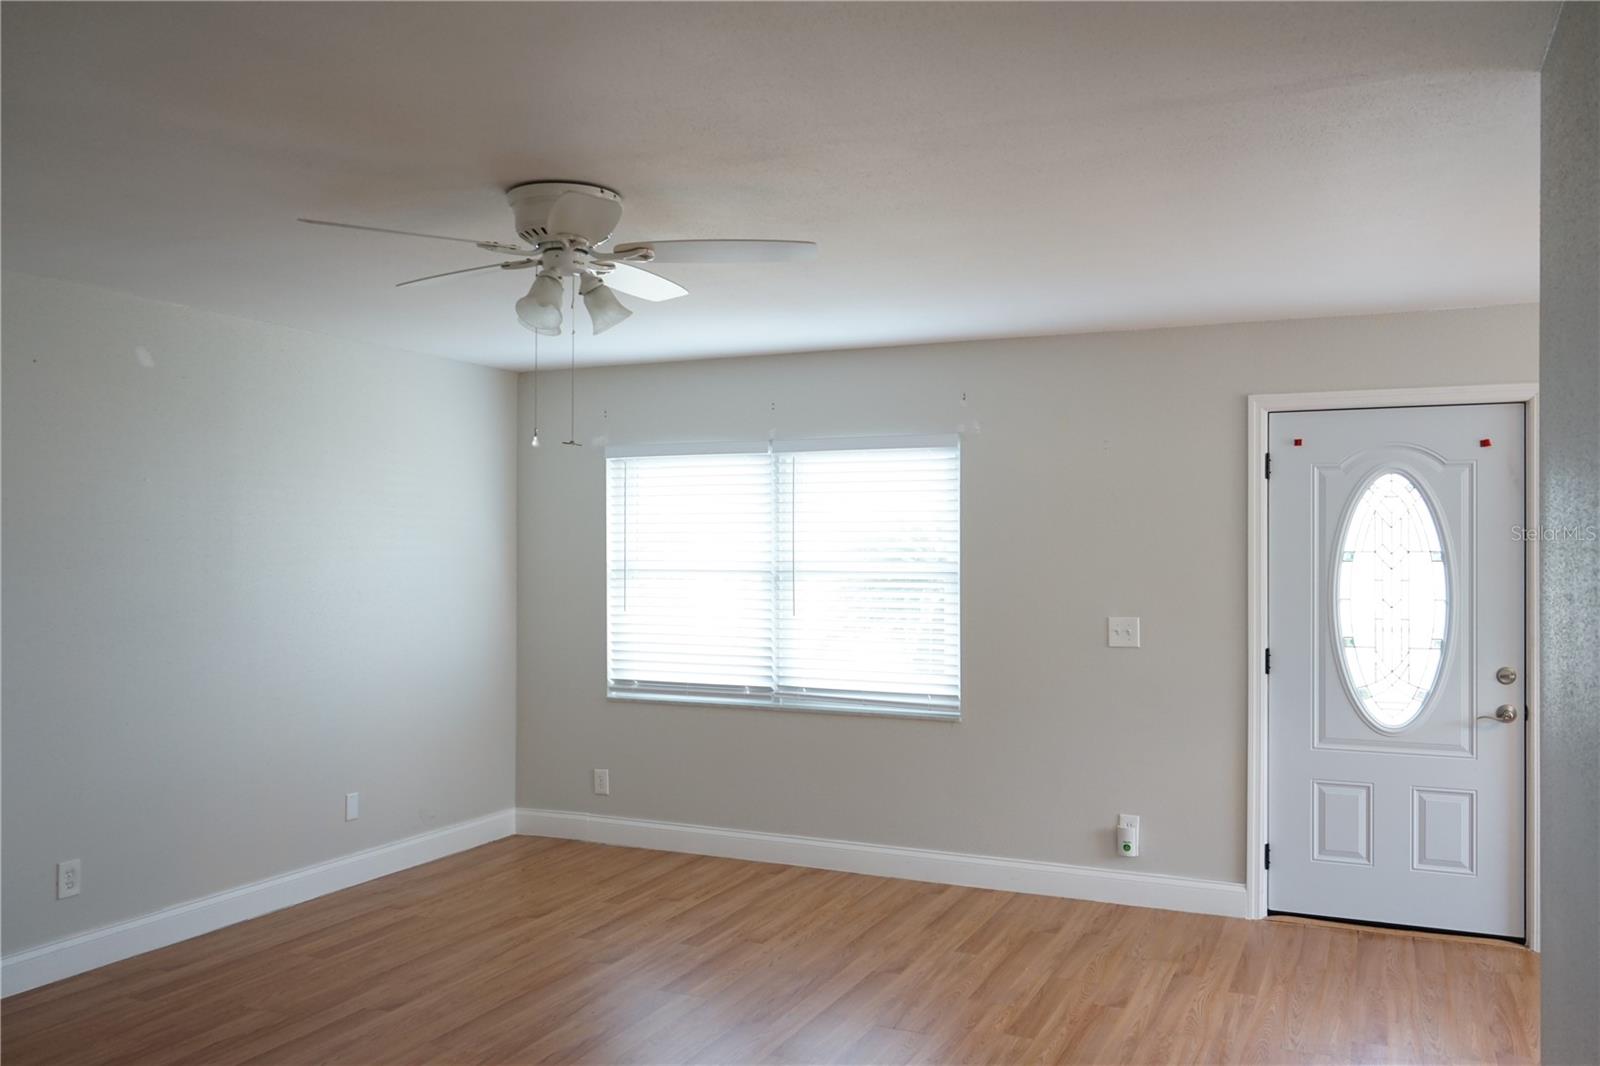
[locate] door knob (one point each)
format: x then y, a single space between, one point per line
1506 712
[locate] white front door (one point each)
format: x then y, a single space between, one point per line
1396 716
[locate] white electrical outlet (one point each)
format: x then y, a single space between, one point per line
69 878
1122 632
602 782
352 806
1128 836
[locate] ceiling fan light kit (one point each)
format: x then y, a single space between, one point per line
605 310
564 225
540 309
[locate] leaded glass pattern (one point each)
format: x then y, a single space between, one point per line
1393 601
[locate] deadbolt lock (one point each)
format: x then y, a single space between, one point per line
1505 675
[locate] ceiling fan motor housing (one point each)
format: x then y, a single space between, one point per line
546 210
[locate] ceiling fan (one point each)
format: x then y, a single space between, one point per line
563 225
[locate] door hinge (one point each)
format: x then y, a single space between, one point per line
1268 471
1266 859
1269 660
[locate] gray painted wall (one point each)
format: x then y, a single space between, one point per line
1102 475
290 565
247 570
1569 385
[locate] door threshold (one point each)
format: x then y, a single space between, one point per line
1291 918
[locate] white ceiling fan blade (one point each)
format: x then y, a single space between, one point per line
720 251
498 247
642 283
518 265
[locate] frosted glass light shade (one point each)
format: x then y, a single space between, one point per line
540 310
605 310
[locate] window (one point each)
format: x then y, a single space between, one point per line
806 575
1392 601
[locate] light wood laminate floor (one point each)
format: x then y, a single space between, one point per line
539 950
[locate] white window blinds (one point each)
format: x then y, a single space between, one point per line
808 576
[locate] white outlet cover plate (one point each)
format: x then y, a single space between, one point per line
1122 632
352 806
69 878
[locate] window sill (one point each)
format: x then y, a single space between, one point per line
790 704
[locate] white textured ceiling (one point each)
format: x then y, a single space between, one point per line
969 170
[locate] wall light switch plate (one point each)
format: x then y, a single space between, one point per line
1122 632
602 782
352 806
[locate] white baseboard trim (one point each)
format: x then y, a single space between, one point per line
58 959
41 965
1130 887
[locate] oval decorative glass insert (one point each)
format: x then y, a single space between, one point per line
1392 599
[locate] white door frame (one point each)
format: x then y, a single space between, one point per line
1257 782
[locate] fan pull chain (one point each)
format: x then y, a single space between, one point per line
572 370
535 442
